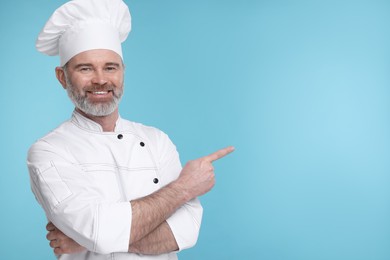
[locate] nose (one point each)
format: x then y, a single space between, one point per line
99 78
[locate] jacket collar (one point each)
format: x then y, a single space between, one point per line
91 125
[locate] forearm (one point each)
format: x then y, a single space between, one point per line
151 211
159 241
196 178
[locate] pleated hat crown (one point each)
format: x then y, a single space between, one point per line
82 25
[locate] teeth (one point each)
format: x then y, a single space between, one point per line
100 92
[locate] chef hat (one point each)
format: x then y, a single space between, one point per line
82 25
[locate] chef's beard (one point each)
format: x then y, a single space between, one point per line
80 100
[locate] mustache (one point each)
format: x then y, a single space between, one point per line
99 88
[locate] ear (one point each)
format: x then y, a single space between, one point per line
60 74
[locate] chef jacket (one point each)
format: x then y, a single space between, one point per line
84 179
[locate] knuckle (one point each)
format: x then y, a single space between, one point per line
194 162
204 164
208 167
188 164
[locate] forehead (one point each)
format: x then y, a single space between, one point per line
96 57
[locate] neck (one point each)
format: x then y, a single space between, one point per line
107 122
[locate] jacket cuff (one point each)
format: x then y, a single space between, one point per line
113 228
185 224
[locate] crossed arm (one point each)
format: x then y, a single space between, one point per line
159 241
150 233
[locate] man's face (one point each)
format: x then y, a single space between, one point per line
94 81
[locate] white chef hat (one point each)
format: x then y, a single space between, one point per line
82 25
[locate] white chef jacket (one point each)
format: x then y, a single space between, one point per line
84 179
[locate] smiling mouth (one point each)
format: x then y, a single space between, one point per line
99 92
100 95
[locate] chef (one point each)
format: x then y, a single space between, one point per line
110 188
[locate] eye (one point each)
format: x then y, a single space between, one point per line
111 68
85 69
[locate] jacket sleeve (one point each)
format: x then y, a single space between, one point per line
185 222
74 206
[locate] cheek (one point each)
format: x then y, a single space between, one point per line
81 84
118 82
119 79
78 82
77 90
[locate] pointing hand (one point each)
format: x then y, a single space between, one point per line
197 176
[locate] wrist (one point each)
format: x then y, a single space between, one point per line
181 193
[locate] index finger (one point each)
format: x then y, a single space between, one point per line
219 154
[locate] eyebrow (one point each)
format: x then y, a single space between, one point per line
90 65
112 64
83 65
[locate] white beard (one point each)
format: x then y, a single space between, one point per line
94 109
81 101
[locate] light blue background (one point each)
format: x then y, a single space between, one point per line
300 88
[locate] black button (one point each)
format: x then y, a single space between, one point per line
142 144
120 136
155 180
